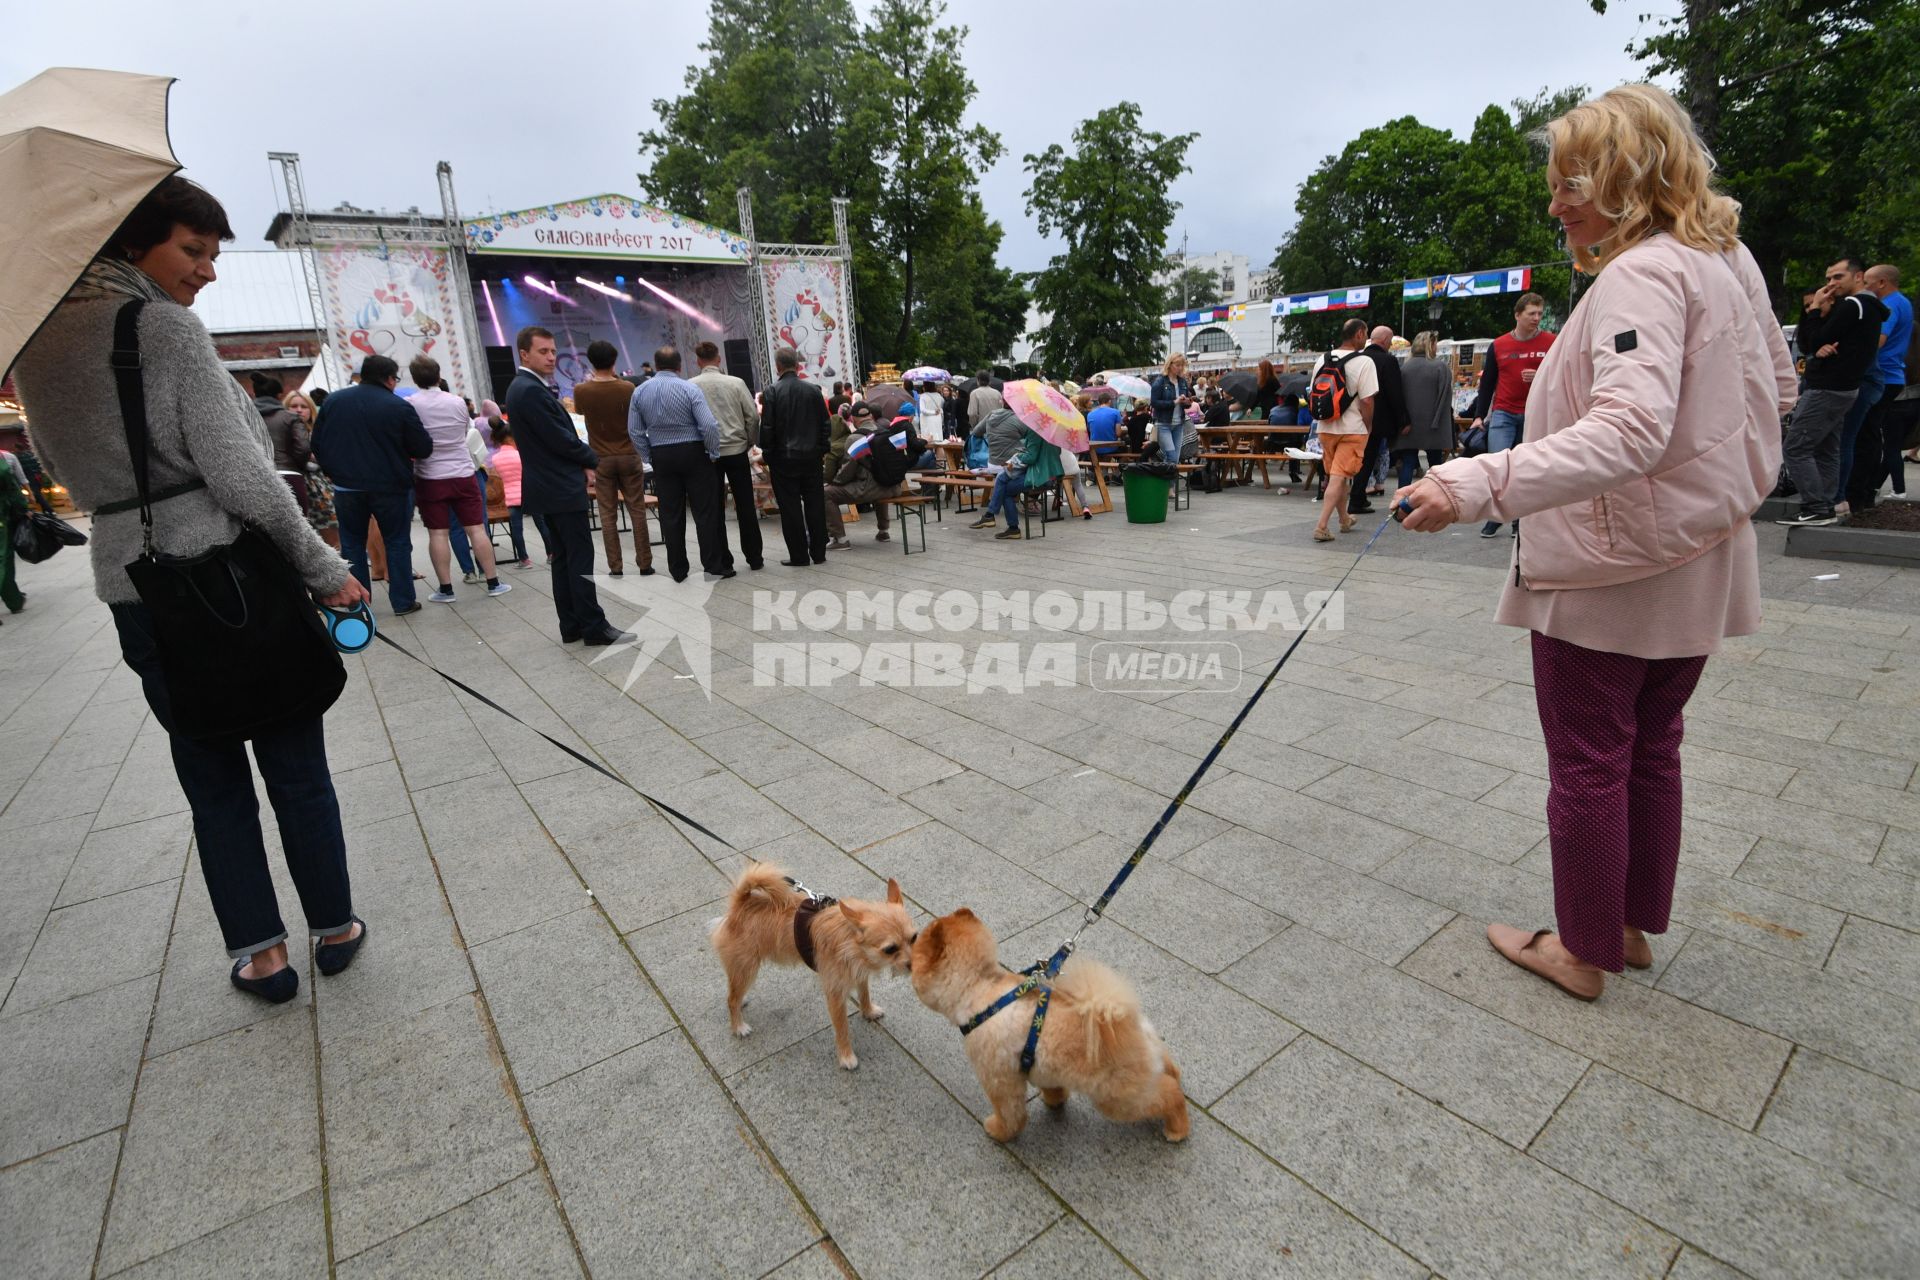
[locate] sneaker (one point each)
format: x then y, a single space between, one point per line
470 577
1810 518
839 544
1490 529
882 536
1514 530
524 564
441 597
986 523
1006 535
499 588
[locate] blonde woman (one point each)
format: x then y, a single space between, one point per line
1652 434
1172 396
319 488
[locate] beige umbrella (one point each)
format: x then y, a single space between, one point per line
78 150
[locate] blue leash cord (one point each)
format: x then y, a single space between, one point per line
1042 972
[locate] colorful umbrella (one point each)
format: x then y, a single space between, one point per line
1048 413
927 373
1099 392
1129 385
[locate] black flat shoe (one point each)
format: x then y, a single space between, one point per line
647 572
600 639
796 564
275 988
332 957
566 638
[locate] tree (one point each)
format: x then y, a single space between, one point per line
910 95
1813 113
801 103
973 309
1100 293
1191 287
1499 215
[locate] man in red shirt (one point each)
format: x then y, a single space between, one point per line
1505 380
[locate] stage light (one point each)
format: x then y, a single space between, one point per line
686 308
597 287
619 279
549 290
499 335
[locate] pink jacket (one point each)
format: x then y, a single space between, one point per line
505 463
1653 426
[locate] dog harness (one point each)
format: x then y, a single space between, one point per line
803 921
1035 977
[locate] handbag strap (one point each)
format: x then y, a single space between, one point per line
131 381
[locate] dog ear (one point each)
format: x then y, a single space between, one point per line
893 891
966 913
853 915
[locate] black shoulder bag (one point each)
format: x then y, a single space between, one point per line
242 647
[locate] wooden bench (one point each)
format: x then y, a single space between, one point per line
966 488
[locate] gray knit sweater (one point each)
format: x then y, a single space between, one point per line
200 424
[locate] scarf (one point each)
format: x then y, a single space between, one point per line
115 278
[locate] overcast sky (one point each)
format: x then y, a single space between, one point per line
535 103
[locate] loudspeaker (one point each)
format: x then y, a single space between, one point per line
740 362
501 366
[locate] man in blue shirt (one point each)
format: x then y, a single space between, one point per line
677 435
1877 452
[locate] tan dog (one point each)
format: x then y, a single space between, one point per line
1095 1040
852 942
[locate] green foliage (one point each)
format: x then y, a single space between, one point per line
1405 200
801 102
1192 287
1813 112
1107 200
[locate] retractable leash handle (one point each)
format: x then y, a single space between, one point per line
351 630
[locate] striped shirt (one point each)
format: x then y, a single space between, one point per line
667 409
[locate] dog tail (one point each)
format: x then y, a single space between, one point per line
1106 1000
765 879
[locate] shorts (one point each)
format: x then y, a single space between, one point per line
1341 455
444 503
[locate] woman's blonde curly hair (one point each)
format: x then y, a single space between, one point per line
1633 154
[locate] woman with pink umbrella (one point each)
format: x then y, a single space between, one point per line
1051 424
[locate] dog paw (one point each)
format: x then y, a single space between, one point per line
997 1131
874 1014
743 1031
850 1061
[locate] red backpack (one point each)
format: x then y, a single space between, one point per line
1327 397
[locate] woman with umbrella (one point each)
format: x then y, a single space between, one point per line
213 475
1049 423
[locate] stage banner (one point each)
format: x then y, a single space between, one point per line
397 301
807 310
604 226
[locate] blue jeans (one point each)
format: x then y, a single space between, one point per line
1871 389
1503 432
457 535
1171 436
517 531
218 784
1007 487
394 511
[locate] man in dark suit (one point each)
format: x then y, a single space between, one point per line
366 440
554 461
1389 415
794 434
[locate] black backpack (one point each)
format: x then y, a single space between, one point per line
886 464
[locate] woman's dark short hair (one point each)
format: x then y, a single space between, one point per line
601 354
175 201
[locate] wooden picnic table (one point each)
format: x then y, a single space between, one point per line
1240 443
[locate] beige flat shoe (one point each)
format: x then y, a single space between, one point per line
1579 980
1347 523
1639 952
1321 535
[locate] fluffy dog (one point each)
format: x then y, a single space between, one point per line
852 942
1095 1041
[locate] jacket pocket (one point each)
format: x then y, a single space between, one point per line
1602 517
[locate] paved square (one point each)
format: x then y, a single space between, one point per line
529 1073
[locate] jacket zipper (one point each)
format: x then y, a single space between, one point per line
1517 580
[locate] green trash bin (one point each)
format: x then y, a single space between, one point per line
1146 498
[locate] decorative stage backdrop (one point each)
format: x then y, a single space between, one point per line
397 301
806 302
